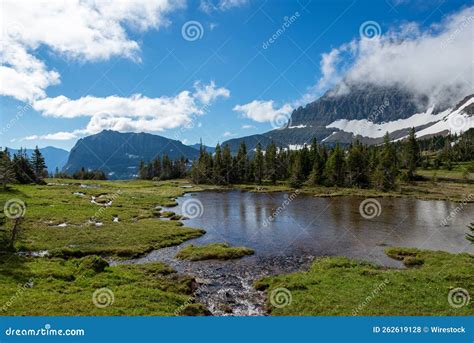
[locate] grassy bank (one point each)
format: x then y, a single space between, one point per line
61 218
70 220
340 286
213 251
41 286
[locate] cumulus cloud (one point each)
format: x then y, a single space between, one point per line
79 30
436 62
263 111
136 113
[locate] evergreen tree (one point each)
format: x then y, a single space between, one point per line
199 168
447 155
283 170
412 154
387 169
316 176
306 161
271 163
218 167
166 168
242 163
228 172
334 172
7 174
24 172
297 174
156 169
258 164
38 164
357 165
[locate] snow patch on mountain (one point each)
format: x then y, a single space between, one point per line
367 128
455 122
301 126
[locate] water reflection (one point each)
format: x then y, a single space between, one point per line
328 226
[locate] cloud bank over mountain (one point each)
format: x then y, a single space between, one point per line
436 62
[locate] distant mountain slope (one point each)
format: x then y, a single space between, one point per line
206 148
54 157
365 112
118 154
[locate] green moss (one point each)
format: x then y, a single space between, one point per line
213 251
340 286
134 202
93 263
47 286
167 214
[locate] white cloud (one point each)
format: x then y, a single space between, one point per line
263 111
228 134
209 6
436 62
247 127
208 93
80 30
136 113
58 136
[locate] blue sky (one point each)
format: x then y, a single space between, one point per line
231 64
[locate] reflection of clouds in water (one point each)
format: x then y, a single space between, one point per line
312 225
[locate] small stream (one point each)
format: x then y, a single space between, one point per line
287 231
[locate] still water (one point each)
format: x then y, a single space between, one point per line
294 224
288 230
